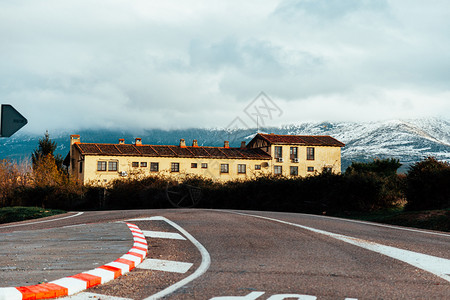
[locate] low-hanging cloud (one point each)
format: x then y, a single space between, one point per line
173 64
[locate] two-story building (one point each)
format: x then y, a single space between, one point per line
287 155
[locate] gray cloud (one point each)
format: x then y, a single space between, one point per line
72 64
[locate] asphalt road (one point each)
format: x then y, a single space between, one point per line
249 255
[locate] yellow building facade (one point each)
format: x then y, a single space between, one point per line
287 155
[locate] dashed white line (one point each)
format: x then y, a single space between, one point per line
163 235
165 265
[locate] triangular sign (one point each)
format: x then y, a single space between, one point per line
11 121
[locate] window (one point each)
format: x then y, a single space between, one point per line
294 171
224 168
143 164
81 167
101 166
257 167
194 165
278 152
327 170
310 169
278 170
294 152
112 166
241 169
310 153
175 167
154 167
135 164
204 166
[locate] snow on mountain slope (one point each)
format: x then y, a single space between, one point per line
407 140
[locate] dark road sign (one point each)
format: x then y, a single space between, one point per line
11 121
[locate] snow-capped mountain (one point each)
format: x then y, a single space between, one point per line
407 140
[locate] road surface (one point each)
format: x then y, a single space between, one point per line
210 254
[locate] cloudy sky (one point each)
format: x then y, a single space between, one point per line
72 64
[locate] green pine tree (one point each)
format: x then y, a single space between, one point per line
45 149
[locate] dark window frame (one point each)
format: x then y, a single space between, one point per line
194 165
310 153
204 165
153 165
293 151
295 173
135 164
112 163
275 168
278 154
257 167
143 164
175 167
101 165
224 168
240 166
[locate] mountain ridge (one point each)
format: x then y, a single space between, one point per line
407 140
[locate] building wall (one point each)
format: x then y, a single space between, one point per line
91 175
324 157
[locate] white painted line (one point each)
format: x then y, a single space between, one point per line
105 275
435 265
37 222
251 296
84 296
204 265
10 293
383 225
165 265
163 235
72 284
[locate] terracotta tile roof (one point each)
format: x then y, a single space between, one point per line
170 151
307 140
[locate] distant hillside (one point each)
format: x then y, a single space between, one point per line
409 141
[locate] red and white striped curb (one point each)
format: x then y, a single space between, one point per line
77 283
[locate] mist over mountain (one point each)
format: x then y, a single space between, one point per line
407 140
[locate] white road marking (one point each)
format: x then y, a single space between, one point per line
84 296
435 265
204 265
383 225
10 293
163 235
251 296
165 265
37 222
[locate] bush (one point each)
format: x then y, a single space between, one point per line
428 185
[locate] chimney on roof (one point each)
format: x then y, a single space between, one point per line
74 138
242 144
226 144
121 141
138 142
182 143
194 143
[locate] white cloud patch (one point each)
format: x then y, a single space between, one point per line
173 64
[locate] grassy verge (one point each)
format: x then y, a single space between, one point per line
429 219
19 213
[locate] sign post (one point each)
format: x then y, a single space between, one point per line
10 120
